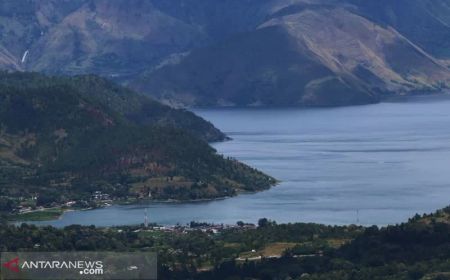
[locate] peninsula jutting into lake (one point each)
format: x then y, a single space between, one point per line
364 165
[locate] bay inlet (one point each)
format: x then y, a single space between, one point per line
376 164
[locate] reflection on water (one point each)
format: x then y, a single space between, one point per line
386 161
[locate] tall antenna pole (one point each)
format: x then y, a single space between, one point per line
146 218
357 216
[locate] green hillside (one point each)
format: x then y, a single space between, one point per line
65 138
125 103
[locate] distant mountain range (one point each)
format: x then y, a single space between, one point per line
237 52
64 138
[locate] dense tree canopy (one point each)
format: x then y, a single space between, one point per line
83 134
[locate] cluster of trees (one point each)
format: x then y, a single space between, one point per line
7 204
180 255
419 249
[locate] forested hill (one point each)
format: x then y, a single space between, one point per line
64 138
134 108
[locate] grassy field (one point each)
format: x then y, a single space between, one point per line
272 249
277 248
44 215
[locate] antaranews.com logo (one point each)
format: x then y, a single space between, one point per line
78 265
84 267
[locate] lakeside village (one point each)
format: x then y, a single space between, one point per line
23 206
28 211
100 199
97 199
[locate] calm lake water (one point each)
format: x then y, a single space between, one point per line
376 164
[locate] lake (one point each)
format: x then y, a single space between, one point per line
376 164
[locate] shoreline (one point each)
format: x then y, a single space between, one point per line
398 98
134 202
438 211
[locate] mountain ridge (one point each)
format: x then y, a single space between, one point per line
372 49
